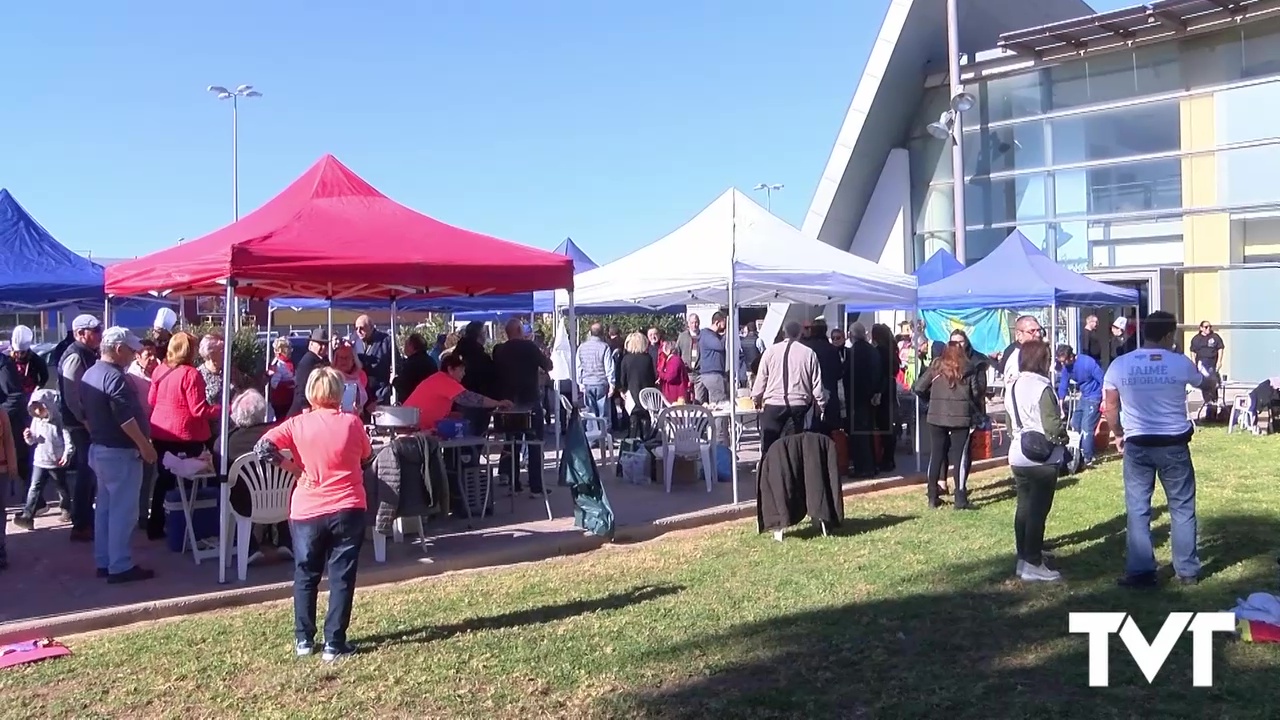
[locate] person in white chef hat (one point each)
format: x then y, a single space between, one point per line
162 328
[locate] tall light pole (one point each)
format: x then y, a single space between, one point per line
243 91
950 126
768 193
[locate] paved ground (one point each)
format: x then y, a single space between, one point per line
50 577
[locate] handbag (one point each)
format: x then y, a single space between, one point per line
1036 447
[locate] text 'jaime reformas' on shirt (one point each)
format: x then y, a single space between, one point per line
1153 391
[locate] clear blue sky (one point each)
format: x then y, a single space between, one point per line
610 122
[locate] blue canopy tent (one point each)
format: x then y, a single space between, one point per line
986 327
39 273
36 271
941 264
1017 274
543 301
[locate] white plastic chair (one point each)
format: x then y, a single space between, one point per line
595 427
686 431
269 489
1242 415
652 401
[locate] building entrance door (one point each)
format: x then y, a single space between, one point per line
1107 341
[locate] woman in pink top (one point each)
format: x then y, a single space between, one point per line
327 511
673 378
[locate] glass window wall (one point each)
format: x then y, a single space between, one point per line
1118 133
1003 201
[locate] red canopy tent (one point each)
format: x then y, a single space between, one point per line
331 234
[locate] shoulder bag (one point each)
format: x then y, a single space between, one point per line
1036 447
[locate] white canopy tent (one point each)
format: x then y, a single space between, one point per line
736 253
771 262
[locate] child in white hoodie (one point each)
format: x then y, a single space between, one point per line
51 455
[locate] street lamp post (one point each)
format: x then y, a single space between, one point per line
768 193
950 126
243 91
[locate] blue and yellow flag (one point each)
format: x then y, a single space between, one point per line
988 330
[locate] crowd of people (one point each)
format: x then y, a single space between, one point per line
124 403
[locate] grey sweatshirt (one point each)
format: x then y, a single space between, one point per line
52 441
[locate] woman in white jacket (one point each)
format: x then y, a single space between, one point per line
1033 408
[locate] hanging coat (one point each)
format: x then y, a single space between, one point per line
591 509
800 475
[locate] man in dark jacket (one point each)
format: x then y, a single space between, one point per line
864 395
376 352
418 366
79 357
833 374
518 361
316 356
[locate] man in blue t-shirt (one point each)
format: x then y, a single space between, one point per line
1146 406
1086 373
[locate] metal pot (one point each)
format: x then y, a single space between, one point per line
512 421
395 417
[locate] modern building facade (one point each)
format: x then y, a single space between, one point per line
1138 147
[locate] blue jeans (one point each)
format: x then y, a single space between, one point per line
119 474
595 399
331 541
1085 420
35 494
86 485
1178 476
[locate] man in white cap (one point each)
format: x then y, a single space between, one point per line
1119 341
79 357
119 445
33 374
162 329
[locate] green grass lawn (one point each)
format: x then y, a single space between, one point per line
904 613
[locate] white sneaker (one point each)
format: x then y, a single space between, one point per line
1039 573
1017 569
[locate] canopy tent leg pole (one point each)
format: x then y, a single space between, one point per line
914 355
395 350
572 331
328 301
106 312
271 413
224 486
182 312
732 361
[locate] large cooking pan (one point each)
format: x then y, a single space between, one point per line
391 416
514 420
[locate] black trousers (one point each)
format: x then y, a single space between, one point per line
1209 385
860 444
948 447
882 421
165 480
779 421
1035 487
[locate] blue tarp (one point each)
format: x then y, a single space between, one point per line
1018 275
36 271
988 330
